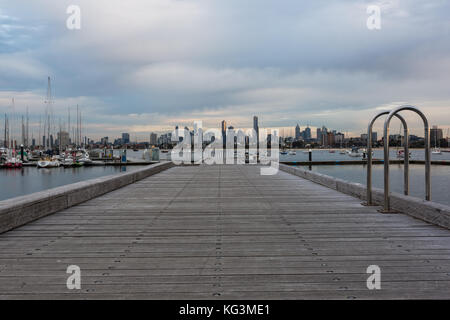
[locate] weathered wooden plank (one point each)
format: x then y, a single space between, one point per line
225 232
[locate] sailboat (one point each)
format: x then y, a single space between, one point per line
436 149
48 163
355 152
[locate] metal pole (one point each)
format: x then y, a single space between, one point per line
386 165
406 163
369 162
427 163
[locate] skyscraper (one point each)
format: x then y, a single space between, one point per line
224 133
255 124
153 139
298 133
307 133
436 135
125 138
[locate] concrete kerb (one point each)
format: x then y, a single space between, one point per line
21 210
428 211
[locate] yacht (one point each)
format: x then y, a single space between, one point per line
292 153
48 163
355 152
436 151
84 157
13 162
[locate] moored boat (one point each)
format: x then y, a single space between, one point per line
355 152
48 163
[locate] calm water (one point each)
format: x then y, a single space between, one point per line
440 178
19 182
323 155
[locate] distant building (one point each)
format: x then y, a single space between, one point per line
224 133
339 138
436 135
330 139
63 138
319 135
153 139
125 138
256 128
104 141
374 137
307 133
298 133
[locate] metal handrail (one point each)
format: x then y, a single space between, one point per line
386 207
369 156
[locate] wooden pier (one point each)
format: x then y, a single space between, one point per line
225 232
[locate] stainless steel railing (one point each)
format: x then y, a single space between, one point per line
386 207
369 156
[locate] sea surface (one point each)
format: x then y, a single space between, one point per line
440 178
323 155
19 182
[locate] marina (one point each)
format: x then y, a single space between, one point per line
30 179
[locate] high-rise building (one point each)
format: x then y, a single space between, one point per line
307 133
339 138
374 137
224 133
63 138
330 139
298 133
436 135
103 141
153 139
255 124
125 138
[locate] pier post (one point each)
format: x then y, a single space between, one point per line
310 159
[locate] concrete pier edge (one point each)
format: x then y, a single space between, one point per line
18 211
429 211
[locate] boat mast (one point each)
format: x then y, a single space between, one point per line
68 123
13 146
27 141
6 140
48 111
77 130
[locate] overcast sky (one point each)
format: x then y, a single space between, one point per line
141 66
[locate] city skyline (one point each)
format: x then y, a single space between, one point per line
316 62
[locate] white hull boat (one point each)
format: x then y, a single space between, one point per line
48 164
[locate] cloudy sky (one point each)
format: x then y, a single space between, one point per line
141 66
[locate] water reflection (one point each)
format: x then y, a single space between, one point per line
440 178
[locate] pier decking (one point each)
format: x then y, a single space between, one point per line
225 232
